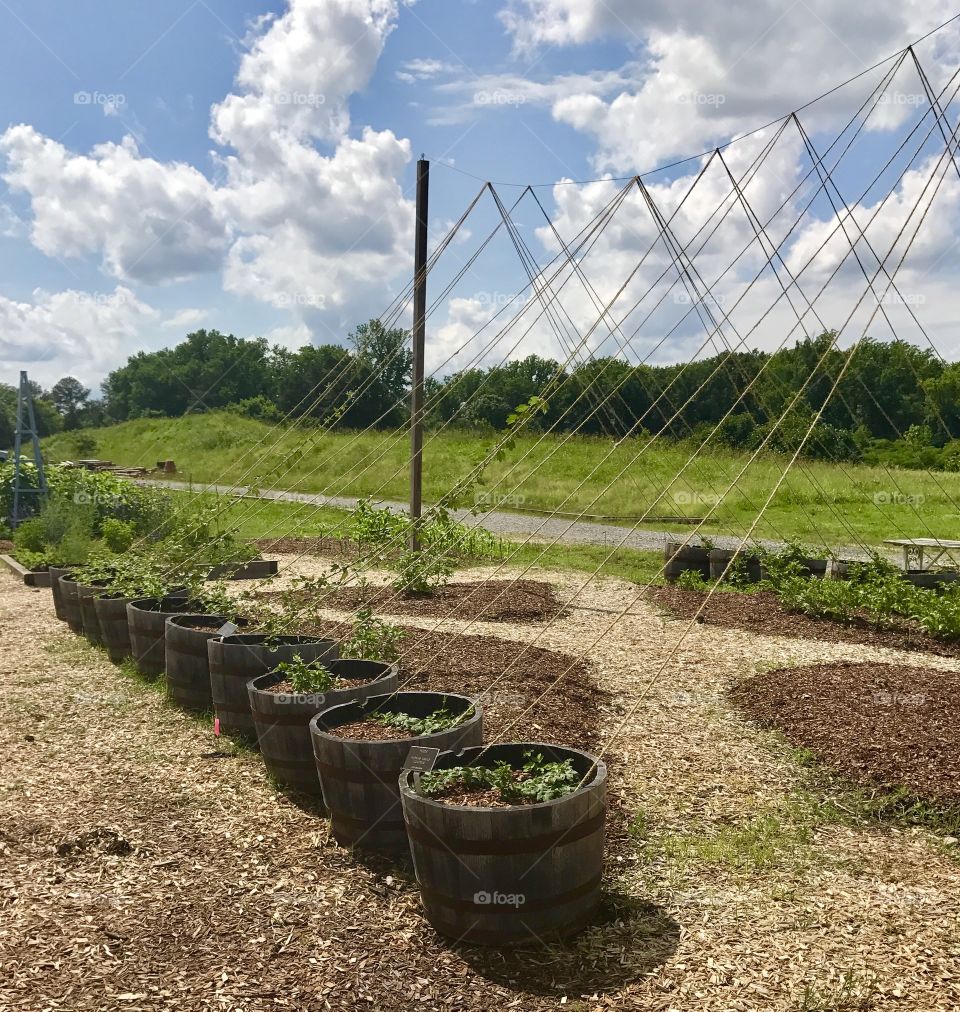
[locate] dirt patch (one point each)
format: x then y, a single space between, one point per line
6 547
881 725
490 601
762 612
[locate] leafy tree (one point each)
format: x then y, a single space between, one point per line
69 396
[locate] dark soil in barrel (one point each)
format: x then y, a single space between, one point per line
881 725
491 601
371 730
285 688
762 612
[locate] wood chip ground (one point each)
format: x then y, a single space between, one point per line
146 865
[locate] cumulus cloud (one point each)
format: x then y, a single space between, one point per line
83 334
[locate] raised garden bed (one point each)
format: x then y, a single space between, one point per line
359 761
31 577
341 548
880 725
761 612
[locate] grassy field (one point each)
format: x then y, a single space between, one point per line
818 503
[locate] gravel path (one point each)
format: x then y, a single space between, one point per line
532 526
145 865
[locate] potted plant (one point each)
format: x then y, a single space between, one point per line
507 841
283 701
237 658
360 749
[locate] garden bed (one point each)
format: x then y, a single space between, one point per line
341 548
451 662
762 612
880 725
491 601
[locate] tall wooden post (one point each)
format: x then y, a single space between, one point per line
418 335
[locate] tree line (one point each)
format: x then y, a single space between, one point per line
891 399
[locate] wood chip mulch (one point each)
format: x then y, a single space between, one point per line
490 601
325 546
880 725
762 612
569 714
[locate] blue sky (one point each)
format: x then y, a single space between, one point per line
249 166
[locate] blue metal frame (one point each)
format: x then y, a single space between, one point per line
25 406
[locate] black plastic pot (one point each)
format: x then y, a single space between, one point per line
234 660
512 875
282 720
359 778
147 619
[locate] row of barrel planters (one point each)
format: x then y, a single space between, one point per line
506 839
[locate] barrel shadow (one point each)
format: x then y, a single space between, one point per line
628 941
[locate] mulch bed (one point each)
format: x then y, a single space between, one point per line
762 612
569 714
336 547
880 725
489 601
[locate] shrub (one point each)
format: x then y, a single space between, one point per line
118 535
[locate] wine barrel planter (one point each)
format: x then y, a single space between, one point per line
55 573
234 660
147 619
87 594
506 876
71 603
186 662
678 558
282 719
112 615
359 778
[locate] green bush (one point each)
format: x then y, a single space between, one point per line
118 535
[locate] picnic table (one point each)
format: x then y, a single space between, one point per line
914 549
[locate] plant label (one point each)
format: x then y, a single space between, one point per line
227 629
421 759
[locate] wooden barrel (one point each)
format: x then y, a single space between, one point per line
186 661
234 660
359 778
282 719
71 603
511 875
112 615
87 597
55 573
678 558
147 619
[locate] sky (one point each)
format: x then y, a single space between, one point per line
250 166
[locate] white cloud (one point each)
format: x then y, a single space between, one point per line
184 319
83 334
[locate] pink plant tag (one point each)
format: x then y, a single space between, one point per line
216 727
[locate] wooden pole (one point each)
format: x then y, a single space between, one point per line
418 335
